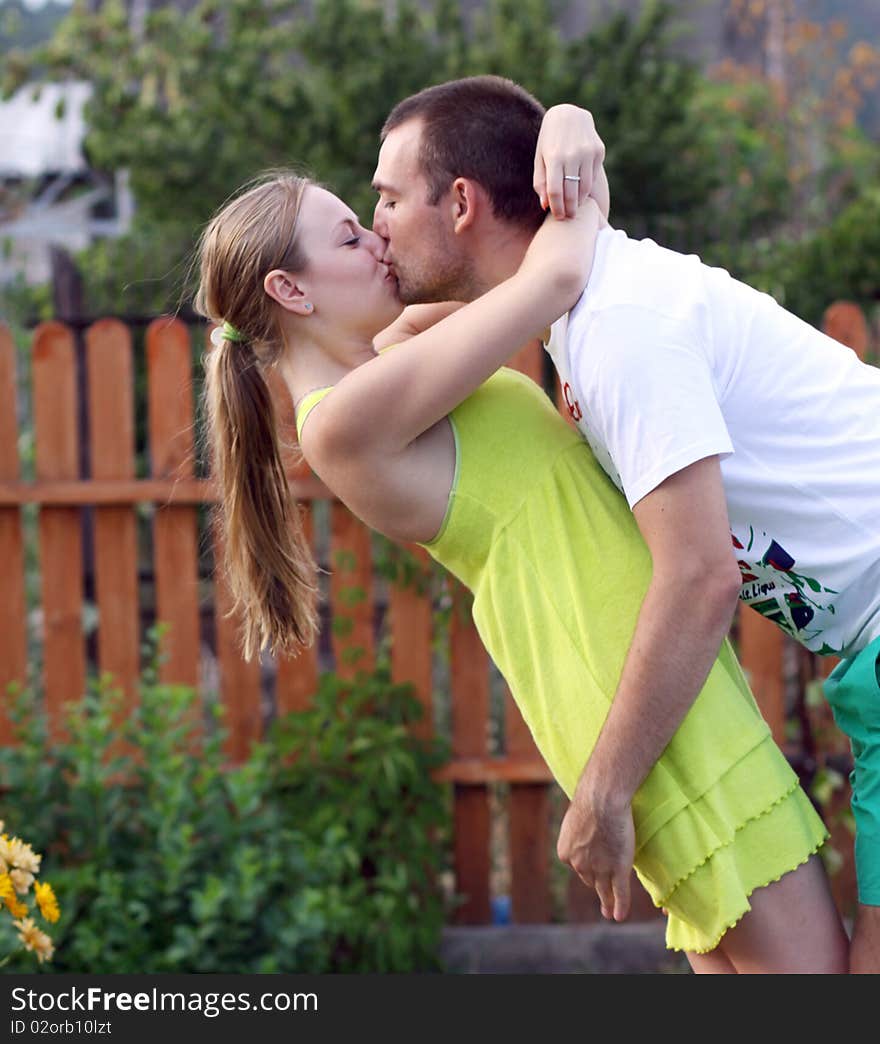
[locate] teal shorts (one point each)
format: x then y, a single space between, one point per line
853 690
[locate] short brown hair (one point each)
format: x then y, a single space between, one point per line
484 128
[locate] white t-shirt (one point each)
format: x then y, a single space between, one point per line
668 361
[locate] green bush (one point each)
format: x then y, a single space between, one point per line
840 262
322 852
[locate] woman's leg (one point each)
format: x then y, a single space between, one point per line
865 957
793 927
712 963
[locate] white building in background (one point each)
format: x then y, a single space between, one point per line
48 194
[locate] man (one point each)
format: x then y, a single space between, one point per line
723 419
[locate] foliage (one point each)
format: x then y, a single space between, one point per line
278 82
661 165
321 852
840 262
787 131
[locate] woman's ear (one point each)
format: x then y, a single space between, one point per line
282 287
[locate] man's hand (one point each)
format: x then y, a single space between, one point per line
600 848
568 162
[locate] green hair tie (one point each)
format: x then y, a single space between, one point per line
226 332
231 334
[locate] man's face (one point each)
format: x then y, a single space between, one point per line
425 256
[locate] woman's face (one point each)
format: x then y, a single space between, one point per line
345 277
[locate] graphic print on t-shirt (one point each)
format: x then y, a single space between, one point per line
773 588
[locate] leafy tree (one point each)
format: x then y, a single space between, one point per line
798 208
841 261
23 26
196 100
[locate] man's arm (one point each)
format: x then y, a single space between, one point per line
684 618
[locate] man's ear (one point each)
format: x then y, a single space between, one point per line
282 287
468 198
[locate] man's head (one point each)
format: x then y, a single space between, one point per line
447 152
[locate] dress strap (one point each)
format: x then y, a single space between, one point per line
308 403
311 400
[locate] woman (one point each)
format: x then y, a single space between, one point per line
505 495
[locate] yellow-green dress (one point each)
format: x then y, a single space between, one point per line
558 571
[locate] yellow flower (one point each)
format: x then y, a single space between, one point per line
6 850
21 880
24 857
16 908
46 901
6 886
33 939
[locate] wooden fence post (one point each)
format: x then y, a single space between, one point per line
529 805
297 678
13 605
57 457
469 675
845 322
175 526
351 592
240 681
111 436
412 623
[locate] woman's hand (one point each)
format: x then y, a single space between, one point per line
560 257
569 162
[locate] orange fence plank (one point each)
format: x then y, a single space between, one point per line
297 678
845 322
57 457
581 903
240 689
469 666
13 605
111 434
530 852
412 623
240 681
529 810
760 653
163 492
351 592
175 527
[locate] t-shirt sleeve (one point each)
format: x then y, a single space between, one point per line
648 389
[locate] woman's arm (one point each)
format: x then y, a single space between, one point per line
569 162
386 403
413 320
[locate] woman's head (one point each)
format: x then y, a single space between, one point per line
344 292
268 563
287 266
287 260
252 234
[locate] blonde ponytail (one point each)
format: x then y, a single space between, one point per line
267 561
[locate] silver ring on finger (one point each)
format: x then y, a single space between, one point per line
571 177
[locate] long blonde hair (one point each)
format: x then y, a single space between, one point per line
267 560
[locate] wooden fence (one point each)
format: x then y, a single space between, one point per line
102 360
